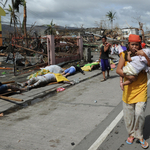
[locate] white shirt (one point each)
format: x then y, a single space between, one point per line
50 77
138 64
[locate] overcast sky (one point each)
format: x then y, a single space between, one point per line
86 12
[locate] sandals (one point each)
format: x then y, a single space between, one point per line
130 140
143 144
103 80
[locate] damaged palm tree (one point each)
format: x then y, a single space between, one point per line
13 16
50 29
16 7
4 4
111 16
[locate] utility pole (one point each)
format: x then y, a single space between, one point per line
14 37
142 31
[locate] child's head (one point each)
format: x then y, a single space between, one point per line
134 43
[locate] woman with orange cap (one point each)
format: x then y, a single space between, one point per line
134 95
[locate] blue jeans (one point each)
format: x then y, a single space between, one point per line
3 88
70 70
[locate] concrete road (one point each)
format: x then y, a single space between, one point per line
116 139
63 121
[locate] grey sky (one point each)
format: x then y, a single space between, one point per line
86 12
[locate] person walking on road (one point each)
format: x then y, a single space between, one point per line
134 95
104 57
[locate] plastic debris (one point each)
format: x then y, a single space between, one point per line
76 80
4 72
60 89
3 76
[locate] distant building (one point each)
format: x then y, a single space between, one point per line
127 31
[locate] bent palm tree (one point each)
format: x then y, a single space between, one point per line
13 15
111 16
16 6
1 2
50 29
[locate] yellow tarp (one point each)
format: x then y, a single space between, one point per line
60 77
86 68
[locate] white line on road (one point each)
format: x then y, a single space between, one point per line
103 136
148 82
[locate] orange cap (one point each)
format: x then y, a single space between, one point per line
134 38
143 45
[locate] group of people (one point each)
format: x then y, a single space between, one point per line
132 68
54 74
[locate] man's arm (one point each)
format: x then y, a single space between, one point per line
106 47
100 54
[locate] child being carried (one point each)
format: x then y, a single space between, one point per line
135 65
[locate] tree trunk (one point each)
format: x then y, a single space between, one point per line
143 38
25 29
14 36
14 18
111 24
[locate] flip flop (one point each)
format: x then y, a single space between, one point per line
130 140
143 144
103 80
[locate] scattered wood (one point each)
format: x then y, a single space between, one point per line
9 92
31 50
8 82
52 83
10 98
5 68
43 64
3 54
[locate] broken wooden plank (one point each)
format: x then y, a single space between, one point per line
8 82
3 68
43 64
6 93
11 98
31 50
52 83
3 54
